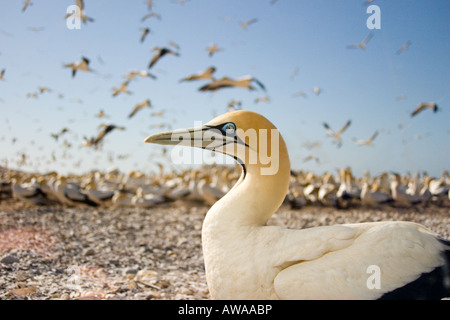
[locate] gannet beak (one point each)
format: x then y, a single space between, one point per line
205 137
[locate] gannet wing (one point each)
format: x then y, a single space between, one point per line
293 246
383 259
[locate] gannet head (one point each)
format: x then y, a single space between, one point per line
246 136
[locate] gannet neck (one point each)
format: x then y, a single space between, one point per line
265 177
255 199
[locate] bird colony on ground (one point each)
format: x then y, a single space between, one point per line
208 184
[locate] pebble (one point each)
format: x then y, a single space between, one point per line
95 258
10 259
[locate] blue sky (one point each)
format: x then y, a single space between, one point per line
310 36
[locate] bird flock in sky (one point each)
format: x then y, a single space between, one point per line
212 84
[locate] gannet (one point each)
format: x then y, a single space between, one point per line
430 105
367 142
265 99
82 16
83 65
36 29
60 133
26 4
361 45
150 15
245 24
106 128
225 82
139 106
207 74
122 89
337 135
317 90
213 48
247 259
30 191
143 73
404 47
159 54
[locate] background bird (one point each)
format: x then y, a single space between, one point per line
404 47
244 25
82 15
367 142
83 65
142 73
430 105
26 4
207 74
225 82
160 52
145 32
361 45
139 106
337 135
213 49
122 89
105 129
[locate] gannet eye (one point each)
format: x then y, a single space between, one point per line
229 128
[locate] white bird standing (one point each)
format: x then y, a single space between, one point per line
247 259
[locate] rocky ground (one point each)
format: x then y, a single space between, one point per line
55 252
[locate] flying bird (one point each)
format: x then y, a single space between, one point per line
317 90
300 94
142 73
26 5
404 47
336 135
151 15
2 74
59 134
101 114
36 29
245 25
430 105
174 45
327 262
294 73
122 89
234 105
159 54
213 49
149 4
367 142
83 65
311 157
44 89
226 82
105 129
361 45
207 74
139 106
158 113
265 99
145 32
82 15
